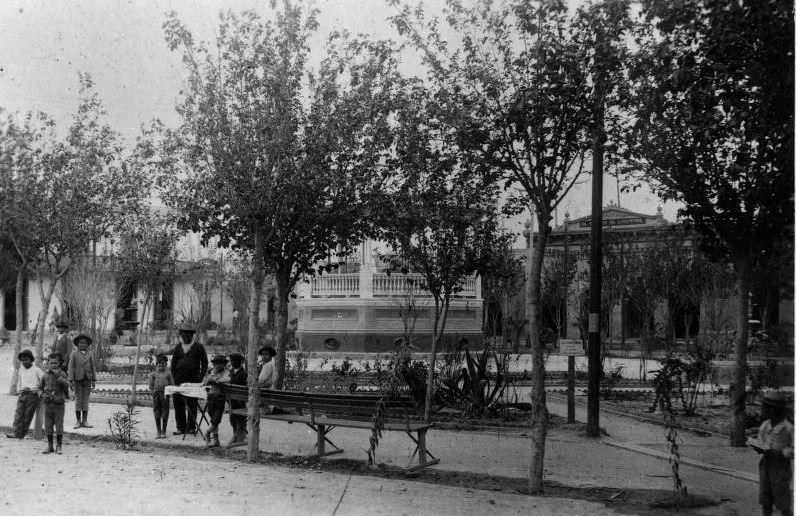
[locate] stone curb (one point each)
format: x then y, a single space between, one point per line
751 477
652 421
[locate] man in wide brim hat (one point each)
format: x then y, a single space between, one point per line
188 365
186 327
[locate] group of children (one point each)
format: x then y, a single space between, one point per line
52 388
215 377
78 373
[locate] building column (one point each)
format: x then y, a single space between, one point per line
2 310
366 270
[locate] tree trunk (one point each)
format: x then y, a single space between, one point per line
440 318
138 334
40 324
20 322
738 387
253 404
539 414
280 327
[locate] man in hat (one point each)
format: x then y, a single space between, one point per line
62 343
776 436
215 397
188 365
82 375
28 380
237 376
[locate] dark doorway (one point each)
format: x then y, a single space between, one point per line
126 306
10 309
164 305
683 315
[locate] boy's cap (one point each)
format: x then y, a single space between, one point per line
187 327
161 358
235 356
86 338
267 349
26 353
219 359
775 399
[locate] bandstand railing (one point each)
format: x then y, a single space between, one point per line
336 285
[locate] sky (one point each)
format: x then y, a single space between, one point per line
44 44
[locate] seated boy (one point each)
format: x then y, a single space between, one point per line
215 396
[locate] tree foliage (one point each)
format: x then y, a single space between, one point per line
271 157
520 86
63 194
714 130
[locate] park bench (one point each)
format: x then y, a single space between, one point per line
323 412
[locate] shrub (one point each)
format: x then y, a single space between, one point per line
609 381
124 427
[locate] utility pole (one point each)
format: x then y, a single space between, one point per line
595 270
570 358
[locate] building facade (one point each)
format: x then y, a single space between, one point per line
360 307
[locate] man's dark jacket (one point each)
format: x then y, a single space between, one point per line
189 367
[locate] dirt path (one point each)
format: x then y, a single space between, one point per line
94 479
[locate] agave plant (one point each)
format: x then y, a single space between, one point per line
474 385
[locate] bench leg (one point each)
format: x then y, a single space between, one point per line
320 444
421 446
421 451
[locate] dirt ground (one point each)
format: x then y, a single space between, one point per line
482 472
92 478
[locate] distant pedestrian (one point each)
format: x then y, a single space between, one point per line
237 376
215 397
776 445
28 392
188 365
82 375
158 380
54 387
62 343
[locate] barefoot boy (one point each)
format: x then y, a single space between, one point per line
158 380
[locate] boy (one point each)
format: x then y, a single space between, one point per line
81 374
237 376
158 381
215 396
62 343
775 443
28 380
267 373
55 389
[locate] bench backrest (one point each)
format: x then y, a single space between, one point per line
349 406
